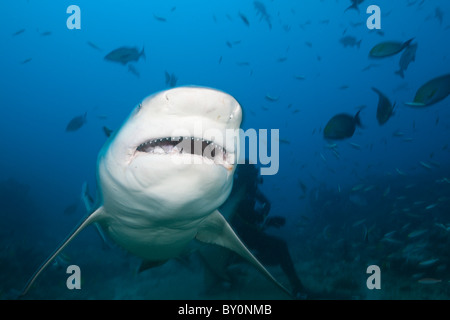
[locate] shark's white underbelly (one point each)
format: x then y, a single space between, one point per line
152 242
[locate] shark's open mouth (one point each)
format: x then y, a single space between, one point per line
186 145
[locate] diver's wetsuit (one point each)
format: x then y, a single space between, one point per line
249 224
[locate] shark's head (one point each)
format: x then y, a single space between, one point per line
175 154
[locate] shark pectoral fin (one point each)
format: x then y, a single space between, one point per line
216 230
148 264
89 204
92 218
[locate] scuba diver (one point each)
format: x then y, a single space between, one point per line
249 219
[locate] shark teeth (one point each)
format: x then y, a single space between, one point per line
186 145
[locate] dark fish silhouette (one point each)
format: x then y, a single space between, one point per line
18 32
26 61
385 109
350 41
408 56
171 79
432 92
261 10
354 5
94 46
244 19
76 123
161 19
341 126
133 70
107 131
388 48
124 55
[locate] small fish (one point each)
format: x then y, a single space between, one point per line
431 92
76 123
244 19
408 56
94 46
370 66
398 133
388 48
429 281
299 77
261 10
158 18
417 233
357 187
133 70
389 234
439 14
391 240
125 55
359 222
425 165
400 172
341 126
271 98
355 145
354 5
302 186
385 109
171 79
336 154
26 61
107 131
350 41
285 141
428 263
431 206
46 33
18 32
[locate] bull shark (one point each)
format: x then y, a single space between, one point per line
156 194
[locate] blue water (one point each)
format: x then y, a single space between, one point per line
392 177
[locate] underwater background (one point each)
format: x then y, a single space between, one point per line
380 197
